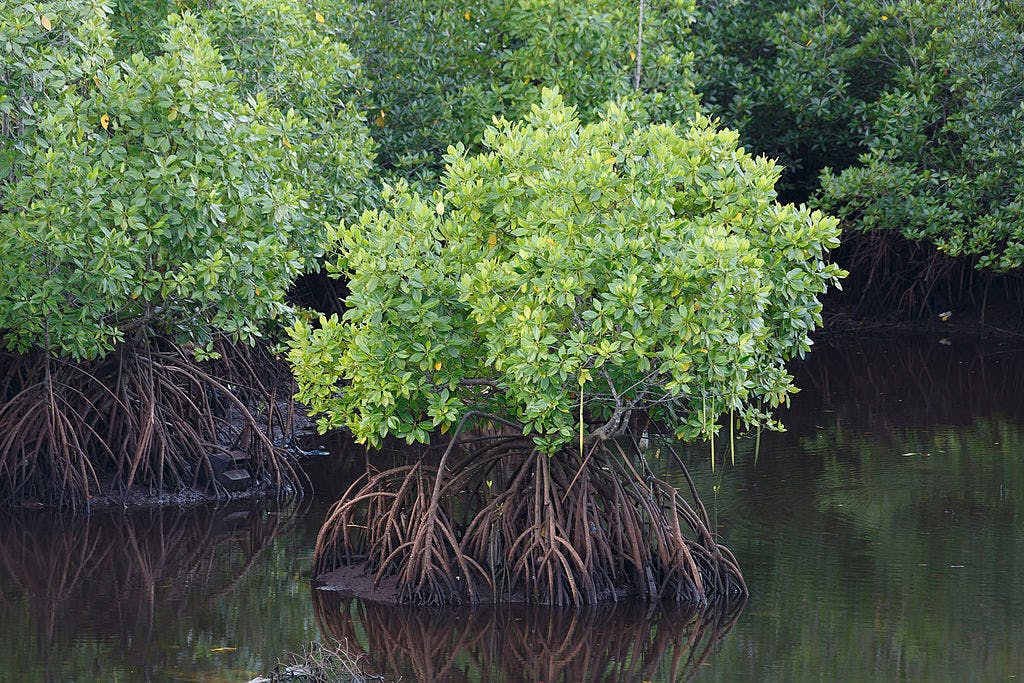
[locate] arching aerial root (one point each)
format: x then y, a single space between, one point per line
146 415
509 523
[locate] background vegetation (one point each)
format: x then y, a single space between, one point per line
902 118
440 72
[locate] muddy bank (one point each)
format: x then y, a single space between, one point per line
139 497
356 581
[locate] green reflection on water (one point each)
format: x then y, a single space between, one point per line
878 546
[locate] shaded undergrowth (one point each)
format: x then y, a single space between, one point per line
893 280
147 415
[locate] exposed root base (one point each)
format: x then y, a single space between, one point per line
144 416
509 523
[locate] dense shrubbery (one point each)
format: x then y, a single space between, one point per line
157 201
792 77
914 108
559 282
146 203
296 57
944 141
151 195
619 266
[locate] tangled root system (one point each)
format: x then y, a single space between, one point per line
507 522
146 415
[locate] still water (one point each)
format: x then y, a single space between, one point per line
881 537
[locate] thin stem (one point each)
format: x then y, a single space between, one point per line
639 47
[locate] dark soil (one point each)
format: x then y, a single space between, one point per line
353 581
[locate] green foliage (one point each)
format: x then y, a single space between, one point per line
944 141
294 55
913 108
440 72
590 51
48 48
138 25
793 77
157 194
608 266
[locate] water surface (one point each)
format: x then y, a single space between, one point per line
880 536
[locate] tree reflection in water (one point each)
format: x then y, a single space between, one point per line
623 642
122 577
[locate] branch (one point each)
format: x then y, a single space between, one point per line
639 48
613 427
479 382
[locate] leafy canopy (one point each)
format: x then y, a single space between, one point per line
159 194
612 265
793 76
944 143
903 117
295 56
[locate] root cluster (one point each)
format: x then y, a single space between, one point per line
892 277
506 522
147 415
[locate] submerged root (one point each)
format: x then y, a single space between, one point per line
145 416
510 523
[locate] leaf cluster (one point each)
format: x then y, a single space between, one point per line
163 193
572 271
439 72
944 142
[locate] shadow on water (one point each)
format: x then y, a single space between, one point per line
619 642
880 384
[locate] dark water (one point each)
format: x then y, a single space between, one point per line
881 536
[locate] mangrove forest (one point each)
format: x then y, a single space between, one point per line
506 306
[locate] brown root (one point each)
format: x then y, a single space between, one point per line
507 522
319 663
146 415
895 279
